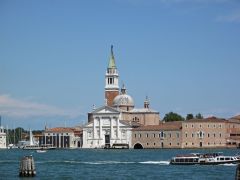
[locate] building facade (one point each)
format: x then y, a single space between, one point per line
164 135
196 133
3 139
204 133
61 138
106 130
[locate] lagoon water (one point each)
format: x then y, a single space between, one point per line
113 164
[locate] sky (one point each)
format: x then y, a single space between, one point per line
183 54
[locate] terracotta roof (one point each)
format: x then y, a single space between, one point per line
60 129
235 118
167 126
207 120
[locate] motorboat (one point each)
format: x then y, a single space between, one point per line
219 160
41 151
187 159
204 159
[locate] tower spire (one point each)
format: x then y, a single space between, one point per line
112 64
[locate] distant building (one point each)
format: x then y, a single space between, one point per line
196 133
3 141
233 130
164 135
62 137
204 133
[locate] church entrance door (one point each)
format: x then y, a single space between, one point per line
107 141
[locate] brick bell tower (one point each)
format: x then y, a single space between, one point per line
111 80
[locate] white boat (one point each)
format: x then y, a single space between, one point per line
41 151
188 159
204 159
219 160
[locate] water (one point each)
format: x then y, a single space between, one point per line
113 164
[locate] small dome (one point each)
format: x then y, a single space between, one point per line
123 100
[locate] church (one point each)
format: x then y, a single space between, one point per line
110 126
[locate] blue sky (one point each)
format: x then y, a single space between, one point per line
183 54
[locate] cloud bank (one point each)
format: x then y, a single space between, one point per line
16 108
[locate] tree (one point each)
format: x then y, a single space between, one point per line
172 117
189 116
199 116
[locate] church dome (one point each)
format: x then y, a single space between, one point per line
123 101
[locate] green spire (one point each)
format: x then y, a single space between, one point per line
112 64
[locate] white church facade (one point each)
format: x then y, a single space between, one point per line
107 130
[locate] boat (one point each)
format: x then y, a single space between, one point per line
204 159
219 160
187 159
41 151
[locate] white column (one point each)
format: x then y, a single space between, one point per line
94 128
59 140
118 133
100 128
112 131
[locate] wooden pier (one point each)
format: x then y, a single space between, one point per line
27 167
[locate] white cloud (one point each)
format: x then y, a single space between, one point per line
233 17
16 108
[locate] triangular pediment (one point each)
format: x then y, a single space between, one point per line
106 109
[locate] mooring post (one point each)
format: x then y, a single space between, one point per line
237 177
27 167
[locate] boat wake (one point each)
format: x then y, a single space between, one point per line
156 162
105 162
228 164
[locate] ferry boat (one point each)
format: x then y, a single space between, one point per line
204 159
219 160
188 159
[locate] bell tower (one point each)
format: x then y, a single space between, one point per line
111 80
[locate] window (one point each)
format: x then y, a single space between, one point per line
186 143
154 144
170 144
135 135
186 134
140 135
161 134
154 135
146 135
201 134
214 135
220 135
170 135
200 126
193 144
208 135
186 126
192 134
147 144
177 135
192 126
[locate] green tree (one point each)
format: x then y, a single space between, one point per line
172 117
189 116
199 116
